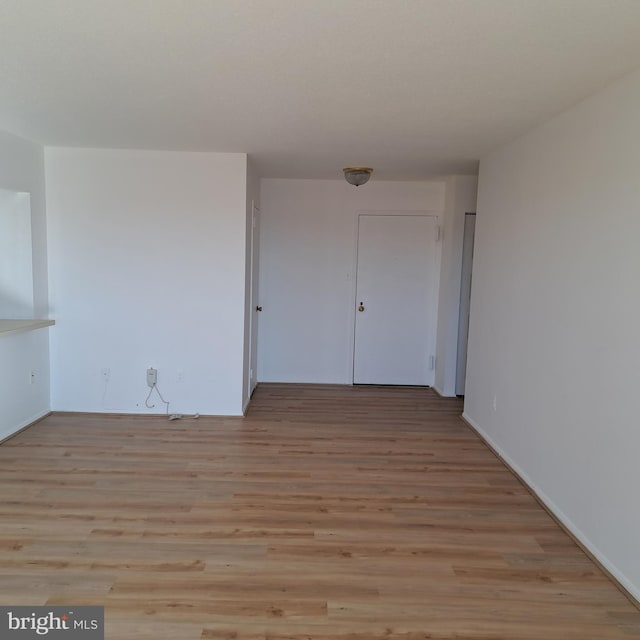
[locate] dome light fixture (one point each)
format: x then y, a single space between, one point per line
357 175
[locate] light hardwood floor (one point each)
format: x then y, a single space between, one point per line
328 513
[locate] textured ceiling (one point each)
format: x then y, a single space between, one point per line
414 88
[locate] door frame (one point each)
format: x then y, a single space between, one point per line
354 273
466 282
252 380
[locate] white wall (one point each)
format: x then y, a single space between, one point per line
460 199
22 169
147 268
16 255
555 313
307 251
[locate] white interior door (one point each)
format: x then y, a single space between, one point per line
396 288
255 299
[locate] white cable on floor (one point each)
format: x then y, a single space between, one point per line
179 416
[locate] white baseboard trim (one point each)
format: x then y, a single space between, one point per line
442 394
631 590
24 424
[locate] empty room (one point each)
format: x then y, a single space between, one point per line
318 319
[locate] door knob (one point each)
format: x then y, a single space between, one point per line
361 307
258 308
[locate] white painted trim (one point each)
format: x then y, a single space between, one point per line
245 405
553 508
442 394
23 425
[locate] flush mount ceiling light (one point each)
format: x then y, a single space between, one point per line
357 175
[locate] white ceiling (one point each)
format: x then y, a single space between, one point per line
414 88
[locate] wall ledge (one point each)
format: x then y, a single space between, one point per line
16 326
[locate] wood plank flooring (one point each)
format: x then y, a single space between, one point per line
328 513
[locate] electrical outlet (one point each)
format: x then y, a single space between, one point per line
180 376
32 377
106 373
152 377
495 403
